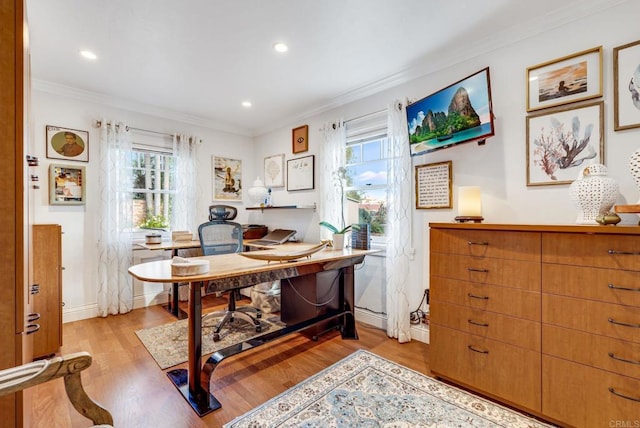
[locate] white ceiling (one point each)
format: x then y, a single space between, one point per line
202 58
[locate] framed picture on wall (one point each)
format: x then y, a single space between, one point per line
573 78
300 173
433 185
67 144
300 139
561 142
274 171
227 179
67 185
626 86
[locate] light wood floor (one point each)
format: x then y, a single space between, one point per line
126 380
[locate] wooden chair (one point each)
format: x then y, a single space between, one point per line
68 367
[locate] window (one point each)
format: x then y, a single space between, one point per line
366 183
153 188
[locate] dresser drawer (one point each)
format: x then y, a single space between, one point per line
616 321
592 250
607 353
514 331
510 273
486 243
500 370
505 300
579 395
605 285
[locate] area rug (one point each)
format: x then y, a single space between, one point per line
365 390
167 343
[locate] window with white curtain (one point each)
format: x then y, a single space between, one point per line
366 177
153 187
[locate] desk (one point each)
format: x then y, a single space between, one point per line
317 275
174 246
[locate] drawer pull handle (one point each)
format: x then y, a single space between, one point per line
32 328
473 296
624 253
614 392
481 324
478 270
612 321
615 357
479 351
617 287
477 243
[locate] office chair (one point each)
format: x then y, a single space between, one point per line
68 367
222 236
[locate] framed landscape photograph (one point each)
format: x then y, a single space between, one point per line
67 185
626 86
67 144
433 185
274 171
300 173
300 139
561 142
227 179
572 78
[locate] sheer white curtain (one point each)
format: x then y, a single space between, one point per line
115 285
398 225
332 157
184 211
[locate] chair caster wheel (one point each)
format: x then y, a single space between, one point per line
258 328
216 337
259 315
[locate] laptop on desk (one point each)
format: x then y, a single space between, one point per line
275 237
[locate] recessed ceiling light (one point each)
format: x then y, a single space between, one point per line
280 47
88 54
246 104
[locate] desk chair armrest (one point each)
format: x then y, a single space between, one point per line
68 367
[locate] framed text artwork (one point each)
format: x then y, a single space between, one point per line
433 185
626 86
67 185
67 144
576 77
300 173
274 171
300 139
561 142
227 179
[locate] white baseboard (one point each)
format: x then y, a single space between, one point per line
91 311
419 332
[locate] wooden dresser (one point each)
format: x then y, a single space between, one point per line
543 318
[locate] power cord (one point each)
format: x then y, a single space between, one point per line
418 314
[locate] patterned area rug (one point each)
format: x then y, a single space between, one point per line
167 343
364 390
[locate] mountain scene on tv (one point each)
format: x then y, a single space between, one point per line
440 125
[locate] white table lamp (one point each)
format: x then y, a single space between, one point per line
469 204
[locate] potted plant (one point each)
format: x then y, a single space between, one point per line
338 234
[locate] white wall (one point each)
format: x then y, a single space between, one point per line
499 167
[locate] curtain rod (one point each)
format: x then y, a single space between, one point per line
99 124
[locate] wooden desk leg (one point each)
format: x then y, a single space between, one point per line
188 381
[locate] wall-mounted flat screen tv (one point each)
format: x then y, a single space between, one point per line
459 113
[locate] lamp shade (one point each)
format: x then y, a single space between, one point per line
469 201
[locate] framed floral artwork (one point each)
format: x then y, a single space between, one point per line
227 179
67 144
626 86
569 79
561 142
274 171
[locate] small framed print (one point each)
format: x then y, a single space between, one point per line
561 142
227 179
274 171
67 144
573 78
300 139
433 185
626 86
300 173
67 185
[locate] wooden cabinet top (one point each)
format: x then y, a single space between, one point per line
563 228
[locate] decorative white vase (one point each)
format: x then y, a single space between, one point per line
338 241
634 167
258 192
594 193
